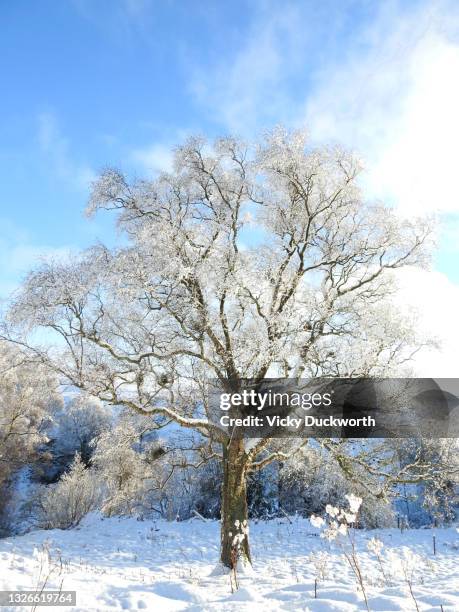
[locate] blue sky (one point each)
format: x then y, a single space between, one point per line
89 83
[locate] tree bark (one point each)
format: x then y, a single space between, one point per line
234 513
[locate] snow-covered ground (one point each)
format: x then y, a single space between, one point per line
127 564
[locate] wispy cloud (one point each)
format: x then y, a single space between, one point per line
136 8
56 148
19 254
247 87
154 158
124 19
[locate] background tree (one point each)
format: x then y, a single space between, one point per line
75 424
244 262
28 394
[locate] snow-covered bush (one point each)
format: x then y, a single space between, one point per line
128 460
206 483
263 493
313 479
64 504
194 486
320 560
310 481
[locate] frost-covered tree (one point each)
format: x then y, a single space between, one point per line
75 425
434 496
132 472
313 479
28 394
245 261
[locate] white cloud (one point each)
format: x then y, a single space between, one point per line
433 299
391 91
394 97
421 162
56 148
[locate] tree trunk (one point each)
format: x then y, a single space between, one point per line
234 515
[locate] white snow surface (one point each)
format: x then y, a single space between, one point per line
126 564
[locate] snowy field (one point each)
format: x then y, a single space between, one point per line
125 564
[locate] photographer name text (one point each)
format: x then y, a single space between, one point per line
291 422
